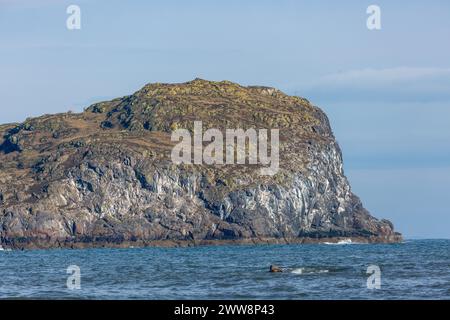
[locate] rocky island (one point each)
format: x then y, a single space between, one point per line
104 177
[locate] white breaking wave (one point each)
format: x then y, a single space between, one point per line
345 241
308 271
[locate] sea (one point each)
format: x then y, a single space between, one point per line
414 269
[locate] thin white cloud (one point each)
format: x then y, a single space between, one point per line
371 76
395 84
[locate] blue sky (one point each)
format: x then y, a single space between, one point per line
387 92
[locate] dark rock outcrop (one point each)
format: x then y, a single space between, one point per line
104 177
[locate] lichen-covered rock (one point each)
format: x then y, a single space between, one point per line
104 177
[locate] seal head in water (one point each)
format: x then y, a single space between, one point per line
275 269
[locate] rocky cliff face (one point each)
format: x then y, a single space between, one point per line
105 177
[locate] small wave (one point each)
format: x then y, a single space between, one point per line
309 271
345 241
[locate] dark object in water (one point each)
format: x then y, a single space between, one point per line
275 269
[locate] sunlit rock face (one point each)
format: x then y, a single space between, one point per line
105 177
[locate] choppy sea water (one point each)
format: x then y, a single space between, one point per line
415 269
